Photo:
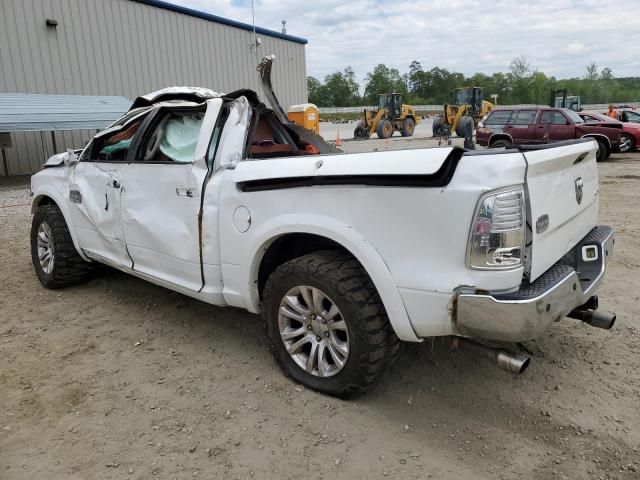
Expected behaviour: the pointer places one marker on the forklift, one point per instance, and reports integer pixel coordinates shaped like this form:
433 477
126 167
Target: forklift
391 116
467 106
560 98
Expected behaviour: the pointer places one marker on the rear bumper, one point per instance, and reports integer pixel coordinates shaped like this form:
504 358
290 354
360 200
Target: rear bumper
528 313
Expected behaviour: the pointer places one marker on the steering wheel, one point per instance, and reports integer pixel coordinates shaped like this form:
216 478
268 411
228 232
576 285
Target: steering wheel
154 144
156 138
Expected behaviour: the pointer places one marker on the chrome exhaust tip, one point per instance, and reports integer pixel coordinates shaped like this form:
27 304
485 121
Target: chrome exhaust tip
595 318
512 362
504 359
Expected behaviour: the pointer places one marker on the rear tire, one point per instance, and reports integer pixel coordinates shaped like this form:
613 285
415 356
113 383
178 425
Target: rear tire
385 129
340 282
408 127
55 258
438 127
360 132
603 151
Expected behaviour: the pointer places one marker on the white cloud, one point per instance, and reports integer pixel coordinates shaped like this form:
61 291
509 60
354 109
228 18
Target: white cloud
559 37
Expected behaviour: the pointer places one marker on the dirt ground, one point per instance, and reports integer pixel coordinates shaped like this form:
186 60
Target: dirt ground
118 378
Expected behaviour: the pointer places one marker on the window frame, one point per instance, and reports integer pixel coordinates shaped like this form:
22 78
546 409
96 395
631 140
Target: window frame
148 127
554 112
212 148
488 123
116 128
518 112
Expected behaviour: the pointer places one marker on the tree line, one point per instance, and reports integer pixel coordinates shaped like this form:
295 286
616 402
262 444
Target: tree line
521 84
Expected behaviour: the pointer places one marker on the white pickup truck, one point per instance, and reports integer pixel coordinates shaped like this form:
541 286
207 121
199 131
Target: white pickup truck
220 198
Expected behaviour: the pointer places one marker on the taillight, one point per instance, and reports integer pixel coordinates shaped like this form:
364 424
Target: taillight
496 240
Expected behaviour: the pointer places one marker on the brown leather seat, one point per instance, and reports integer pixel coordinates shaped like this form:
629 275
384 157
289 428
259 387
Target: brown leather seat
264 143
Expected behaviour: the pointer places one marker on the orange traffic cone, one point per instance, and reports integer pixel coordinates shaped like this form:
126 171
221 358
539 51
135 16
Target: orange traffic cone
338 141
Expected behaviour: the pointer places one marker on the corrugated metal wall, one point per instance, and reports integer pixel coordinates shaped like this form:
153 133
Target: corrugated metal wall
121 47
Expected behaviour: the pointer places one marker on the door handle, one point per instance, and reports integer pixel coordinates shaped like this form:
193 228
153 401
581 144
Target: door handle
186 192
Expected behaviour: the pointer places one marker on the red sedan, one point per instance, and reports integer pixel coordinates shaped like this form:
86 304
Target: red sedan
630 136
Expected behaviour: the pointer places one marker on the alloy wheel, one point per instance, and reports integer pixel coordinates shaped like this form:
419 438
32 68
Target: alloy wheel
625 144
313 331
45 247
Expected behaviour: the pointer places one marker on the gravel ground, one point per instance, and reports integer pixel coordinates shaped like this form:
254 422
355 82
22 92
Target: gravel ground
118 378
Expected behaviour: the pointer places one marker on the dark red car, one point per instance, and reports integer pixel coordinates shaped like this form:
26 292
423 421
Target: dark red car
630 136
526 126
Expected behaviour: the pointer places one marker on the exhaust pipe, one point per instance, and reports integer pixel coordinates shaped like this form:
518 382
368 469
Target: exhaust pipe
509 361
594 318
588 314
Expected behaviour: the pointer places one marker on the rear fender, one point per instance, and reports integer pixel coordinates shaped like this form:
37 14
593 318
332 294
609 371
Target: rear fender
345 236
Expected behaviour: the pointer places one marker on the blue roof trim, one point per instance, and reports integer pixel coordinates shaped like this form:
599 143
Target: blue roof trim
217 19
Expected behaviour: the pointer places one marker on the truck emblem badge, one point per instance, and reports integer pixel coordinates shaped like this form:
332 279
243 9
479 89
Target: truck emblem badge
542 223
579 184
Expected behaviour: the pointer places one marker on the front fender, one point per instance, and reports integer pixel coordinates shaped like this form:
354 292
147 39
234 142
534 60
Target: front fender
342 234
48 191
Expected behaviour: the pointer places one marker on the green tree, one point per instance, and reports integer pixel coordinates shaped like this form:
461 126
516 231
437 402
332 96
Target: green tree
382 80
592 71
520 84
342 88
313 90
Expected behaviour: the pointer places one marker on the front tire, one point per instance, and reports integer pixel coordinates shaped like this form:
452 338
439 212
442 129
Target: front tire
55 258
385 129
627 143
462 124
438 126
326 325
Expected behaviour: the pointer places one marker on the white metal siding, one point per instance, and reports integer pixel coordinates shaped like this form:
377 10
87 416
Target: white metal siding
121 47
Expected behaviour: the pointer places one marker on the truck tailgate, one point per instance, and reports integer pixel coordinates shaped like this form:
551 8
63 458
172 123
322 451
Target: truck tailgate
562 183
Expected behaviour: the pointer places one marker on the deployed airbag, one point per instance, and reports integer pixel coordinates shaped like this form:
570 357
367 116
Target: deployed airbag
181 137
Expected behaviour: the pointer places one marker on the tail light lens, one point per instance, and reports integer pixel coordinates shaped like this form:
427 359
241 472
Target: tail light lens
496 241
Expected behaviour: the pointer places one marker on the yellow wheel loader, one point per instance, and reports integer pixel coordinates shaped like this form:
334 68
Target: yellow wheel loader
391 116
467 106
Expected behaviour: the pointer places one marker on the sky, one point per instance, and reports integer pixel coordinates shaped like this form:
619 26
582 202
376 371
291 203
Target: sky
558 37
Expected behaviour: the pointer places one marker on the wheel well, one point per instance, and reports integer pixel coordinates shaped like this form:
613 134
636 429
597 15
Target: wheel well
597 136
498 136
42 200
290 246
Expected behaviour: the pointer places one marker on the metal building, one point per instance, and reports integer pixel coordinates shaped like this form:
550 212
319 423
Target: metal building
128 48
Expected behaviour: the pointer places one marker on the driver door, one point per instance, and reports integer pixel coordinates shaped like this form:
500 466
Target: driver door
163 186
553 126
96 193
